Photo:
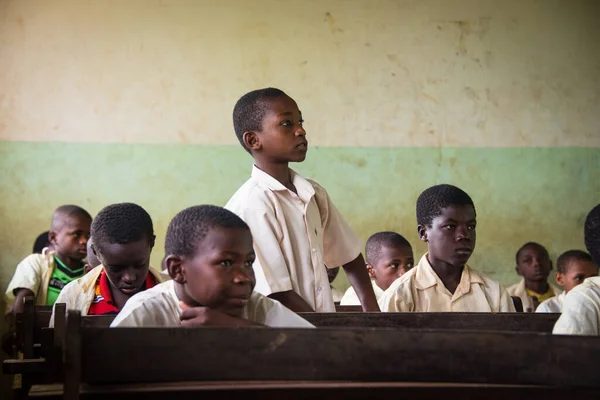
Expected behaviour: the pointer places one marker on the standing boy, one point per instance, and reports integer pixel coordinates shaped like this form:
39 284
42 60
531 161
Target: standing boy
296 227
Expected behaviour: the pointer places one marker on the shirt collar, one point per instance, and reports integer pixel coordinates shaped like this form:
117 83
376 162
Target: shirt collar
303 186
425 277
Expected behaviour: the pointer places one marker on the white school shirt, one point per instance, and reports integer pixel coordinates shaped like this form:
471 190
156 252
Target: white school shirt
519 290
351 298
294 236
551 305
159 306
581 310
421 290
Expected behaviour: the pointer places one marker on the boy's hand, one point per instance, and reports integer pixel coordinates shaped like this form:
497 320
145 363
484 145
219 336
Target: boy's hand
204 316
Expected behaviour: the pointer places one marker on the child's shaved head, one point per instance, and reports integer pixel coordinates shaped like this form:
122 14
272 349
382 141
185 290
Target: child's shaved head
63 213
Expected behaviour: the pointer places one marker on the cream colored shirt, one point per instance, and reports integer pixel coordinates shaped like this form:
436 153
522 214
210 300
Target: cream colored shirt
337 295
518 290
159 306
581 310
552 305
421 290
33 273
79 294
294 236
351 298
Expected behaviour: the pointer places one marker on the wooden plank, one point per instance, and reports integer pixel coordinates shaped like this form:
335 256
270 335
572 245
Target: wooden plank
97 321
29 366
275 390
516 322
348 309
134 355
72 355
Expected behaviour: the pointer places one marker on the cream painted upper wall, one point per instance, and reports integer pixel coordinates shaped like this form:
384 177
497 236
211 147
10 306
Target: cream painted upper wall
364 72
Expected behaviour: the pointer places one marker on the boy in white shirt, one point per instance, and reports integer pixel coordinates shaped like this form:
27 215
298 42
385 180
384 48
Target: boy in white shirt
442 281
209 256
389 256
581 307
296 227
572 268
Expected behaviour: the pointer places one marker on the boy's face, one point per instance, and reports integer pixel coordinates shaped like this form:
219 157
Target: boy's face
220 274
70 237
391 265
451 236
577 271
282 138
534 264
126 265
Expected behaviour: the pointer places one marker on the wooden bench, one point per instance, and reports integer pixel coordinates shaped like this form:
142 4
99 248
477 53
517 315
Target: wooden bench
515 322
216 363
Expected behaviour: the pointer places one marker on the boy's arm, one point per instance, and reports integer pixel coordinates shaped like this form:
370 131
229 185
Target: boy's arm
359 279
204 316
21 293
293 301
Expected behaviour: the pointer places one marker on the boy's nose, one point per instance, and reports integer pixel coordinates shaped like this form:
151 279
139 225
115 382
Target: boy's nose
241 276
300 131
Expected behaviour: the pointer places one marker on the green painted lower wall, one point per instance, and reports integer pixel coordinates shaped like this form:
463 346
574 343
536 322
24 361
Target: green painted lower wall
521 194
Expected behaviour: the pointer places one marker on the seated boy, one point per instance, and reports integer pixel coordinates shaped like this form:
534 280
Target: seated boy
534 265
581 306
572 268
209 257
91 259
295 225
43 276
389 256
123 237
442 281
331 275
42 243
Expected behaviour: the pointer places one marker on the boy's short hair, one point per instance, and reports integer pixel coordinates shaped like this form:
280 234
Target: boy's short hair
190 226
431 202
591 233
530 244
562 264
381 239
41 242
121 223
250 110
67 210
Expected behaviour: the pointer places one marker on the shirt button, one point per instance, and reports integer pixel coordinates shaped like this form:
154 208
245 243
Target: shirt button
319 288
314 250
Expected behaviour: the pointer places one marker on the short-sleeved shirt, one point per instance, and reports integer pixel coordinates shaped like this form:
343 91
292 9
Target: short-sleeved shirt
61 276
421 290
520 290
581 310
351 298
103 301
294 236
552 305
79 294
159 306
32 273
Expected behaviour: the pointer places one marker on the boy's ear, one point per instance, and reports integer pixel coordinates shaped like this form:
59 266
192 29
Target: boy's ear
422 231
152 241
52 237
174 265
251 140
558 277
371 271
87 268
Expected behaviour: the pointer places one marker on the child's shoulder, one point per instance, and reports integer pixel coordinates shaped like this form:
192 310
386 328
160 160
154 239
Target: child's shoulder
37 259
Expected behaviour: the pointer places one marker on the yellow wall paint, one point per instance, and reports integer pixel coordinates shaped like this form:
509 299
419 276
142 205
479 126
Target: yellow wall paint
427 73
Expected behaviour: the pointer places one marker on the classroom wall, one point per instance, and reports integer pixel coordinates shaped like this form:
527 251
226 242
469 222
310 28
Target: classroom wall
110 101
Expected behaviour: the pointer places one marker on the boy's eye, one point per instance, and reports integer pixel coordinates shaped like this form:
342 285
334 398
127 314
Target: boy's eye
394 265
286 123
249 263
579 278
449 227
301 122
471 227
226 263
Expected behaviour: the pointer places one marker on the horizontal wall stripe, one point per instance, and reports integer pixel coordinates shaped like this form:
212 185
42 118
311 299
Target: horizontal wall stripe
520 194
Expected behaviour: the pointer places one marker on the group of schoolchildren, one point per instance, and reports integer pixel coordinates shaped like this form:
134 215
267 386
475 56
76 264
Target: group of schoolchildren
274 248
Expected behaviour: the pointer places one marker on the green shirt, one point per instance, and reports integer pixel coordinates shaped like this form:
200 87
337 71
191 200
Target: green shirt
61 275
